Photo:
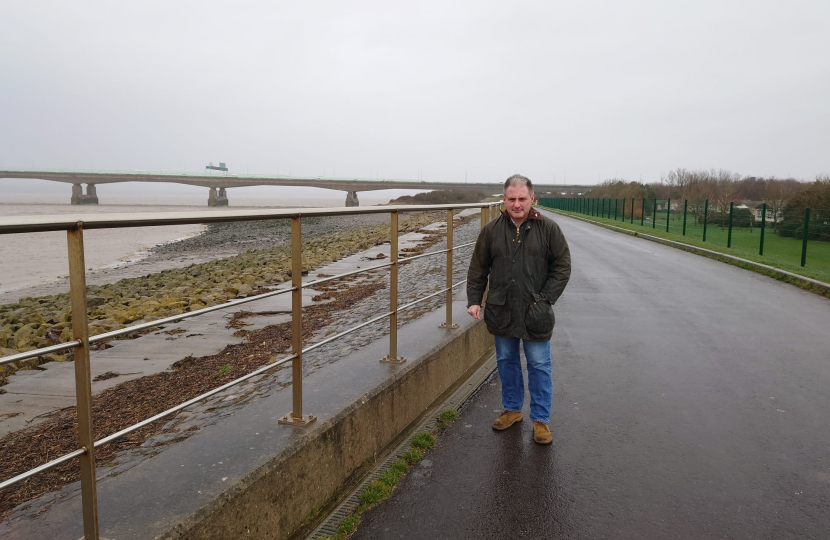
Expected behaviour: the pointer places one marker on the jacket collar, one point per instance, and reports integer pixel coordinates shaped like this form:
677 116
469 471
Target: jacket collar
534 214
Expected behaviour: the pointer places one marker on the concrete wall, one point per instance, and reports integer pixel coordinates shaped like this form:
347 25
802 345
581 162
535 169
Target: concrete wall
273 501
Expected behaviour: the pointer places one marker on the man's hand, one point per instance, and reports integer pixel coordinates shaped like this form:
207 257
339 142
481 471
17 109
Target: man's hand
474 311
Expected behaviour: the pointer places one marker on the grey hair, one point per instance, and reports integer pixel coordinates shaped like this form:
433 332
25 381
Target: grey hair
519 181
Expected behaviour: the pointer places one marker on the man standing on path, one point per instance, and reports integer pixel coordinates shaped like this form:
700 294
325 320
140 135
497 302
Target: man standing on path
528 264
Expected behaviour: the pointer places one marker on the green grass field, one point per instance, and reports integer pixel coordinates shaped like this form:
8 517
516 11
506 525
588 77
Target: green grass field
783 253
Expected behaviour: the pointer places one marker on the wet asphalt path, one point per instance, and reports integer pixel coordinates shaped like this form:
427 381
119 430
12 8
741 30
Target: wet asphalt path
691 400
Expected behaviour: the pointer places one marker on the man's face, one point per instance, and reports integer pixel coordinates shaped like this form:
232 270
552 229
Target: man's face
518 201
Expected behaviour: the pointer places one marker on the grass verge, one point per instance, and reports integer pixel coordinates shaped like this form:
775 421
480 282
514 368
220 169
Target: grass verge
779 252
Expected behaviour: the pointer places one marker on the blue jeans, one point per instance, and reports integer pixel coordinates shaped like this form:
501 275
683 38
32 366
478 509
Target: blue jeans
539 377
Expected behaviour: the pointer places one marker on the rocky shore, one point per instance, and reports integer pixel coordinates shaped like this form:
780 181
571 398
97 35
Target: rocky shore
351 302
254 255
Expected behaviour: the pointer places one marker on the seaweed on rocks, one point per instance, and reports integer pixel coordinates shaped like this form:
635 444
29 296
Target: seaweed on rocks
135 400
38 322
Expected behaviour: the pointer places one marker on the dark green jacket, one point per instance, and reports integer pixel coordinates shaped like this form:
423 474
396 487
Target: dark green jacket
528 269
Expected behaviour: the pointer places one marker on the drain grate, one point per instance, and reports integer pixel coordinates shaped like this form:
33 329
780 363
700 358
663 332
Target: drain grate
329 526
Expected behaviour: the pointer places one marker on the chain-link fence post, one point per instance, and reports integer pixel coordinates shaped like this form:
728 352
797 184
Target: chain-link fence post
705 217
763 226
804 242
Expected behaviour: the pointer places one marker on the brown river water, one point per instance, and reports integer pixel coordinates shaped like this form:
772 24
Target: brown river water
34 264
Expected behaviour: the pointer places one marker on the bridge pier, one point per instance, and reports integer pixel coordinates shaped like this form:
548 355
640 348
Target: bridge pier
78 196
220 199
351 199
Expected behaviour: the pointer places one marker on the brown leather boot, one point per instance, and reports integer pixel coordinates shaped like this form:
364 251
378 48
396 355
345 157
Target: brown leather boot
541 433
507 419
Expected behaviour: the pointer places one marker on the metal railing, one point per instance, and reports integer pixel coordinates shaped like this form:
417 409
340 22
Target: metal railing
74 225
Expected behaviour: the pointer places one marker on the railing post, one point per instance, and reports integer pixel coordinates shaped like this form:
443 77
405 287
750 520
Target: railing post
296 416
729 234
632 211
668 213
448 323
393 294
804 242
623 209
705 217
643 213
483 223
83 380
763 223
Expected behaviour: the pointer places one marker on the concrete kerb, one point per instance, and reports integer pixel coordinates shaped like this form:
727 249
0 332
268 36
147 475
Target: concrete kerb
308 474
803 282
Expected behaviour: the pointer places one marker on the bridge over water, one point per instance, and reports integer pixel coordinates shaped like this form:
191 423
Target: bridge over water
218 184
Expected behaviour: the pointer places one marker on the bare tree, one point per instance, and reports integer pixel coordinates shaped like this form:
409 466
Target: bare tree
726 193
701 186
677 181
776 195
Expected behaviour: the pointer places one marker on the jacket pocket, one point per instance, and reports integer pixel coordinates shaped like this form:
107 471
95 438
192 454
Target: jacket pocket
497 312
539 320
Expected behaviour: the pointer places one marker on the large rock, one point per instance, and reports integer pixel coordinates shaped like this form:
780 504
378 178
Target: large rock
26 331
245 290
95 301
6 337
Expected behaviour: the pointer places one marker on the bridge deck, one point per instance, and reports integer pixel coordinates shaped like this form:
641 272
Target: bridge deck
227 180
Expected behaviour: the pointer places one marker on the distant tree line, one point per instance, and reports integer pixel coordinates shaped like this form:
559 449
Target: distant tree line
448 196
786 198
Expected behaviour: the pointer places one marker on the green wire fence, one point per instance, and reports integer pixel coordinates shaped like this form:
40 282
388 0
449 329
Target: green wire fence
796 239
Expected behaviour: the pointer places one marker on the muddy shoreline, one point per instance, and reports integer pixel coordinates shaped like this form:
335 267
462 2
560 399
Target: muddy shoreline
228 261
140 398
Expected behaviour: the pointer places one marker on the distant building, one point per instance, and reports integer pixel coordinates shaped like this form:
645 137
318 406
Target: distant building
770 218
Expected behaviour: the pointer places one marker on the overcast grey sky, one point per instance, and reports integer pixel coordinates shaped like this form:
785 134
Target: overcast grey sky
579 90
